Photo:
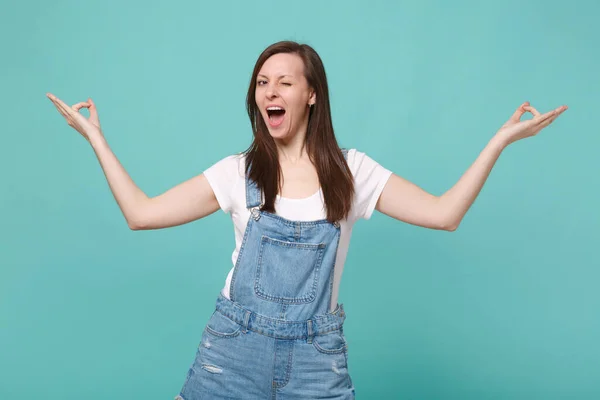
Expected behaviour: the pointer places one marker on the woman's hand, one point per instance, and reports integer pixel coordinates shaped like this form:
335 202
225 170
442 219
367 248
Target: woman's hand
89 128
515 129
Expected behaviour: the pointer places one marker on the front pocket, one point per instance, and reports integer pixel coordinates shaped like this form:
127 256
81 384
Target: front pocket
288 272
330 343
221 326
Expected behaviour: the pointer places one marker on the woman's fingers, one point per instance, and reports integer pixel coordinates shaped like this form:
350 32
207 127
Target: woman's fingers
93 111
516 117
80 105
543 120
532 110
61 107
551 115
544 117
70 113
58 102
61 110
64 108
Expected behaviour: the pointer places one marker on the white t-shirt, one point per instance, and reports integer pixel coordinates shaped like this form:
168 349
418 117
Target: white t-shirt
227 179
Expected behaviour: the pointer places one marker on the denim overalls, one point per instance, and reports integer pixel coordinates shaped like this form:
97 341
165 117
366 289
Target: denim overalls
275 338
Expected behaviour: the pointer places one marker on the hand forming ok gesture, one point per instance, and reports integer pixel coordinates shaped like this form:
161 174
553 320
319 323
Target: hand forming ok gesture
89 128
514 129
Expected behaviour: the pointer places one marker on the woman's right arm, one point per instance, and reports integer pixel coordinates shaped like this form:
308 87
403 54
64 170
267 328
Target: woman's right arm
188 201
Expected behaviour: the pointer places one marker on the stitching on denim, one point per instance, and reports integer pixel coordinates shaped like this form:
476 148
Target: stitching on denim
337 246
319 332
239 257
350 383
283 243
288 368
328 317
328 351
223 335
292 223
260 292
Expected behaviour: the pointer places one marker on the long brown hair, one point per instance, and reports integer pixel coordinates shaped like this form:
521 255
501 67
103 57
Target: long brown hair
262 162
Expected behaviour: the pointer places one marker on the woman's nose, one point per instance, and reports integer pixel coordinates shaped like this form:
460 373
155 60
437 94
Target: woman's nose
271 91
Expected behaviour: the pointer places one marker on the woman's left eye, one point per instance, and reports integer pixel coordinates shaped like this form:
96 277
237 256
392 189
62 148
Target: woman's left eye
287 84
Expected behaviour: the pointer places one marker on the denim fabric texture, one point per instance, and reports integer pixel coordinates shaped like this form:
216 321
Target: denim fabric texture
275 338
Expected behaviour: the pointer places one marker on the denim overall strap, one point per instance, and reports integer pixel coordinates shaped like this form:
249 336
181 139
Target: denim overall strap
253 194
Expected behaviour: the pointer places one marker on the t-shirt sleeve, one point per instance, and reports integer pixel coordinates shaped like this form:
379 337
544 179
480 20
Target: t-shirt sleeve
369 180
222 177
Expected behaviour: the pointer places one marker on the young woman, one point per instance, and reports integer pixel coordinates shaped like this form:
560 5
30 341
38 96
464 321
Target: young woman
293 196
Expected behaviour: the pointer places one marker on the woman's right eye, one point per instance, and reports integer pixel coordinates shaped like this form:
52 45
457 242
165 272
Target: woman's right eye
260 82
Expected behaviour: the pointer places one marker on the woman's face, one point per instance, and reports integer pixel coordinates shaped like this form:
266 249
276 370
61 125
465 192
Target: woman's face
283 95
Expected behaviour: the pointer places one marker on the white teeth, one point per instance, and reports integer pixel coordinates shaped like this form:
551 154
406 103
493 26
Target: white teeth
274 108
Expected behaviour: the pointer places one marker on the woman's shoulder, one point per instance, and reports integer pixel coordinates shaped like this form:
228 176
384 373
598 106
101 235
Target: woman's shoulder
233 164
364 168
353 153
358 160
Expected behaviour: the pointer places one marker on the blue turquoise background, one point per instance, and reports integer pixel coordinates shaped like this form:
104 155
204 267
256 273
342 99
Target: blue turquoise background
506 307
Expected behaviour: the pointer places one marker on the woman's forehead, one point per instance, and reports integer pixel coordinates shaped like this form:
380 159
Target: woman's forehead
282 64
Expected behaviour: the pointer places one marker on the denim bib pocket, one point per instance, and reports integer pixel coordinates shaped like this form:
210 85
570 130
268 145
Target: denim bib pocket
288 272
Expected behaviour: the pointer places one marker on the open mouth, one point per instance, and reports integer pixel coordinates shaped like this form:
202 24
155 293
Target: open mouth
276 115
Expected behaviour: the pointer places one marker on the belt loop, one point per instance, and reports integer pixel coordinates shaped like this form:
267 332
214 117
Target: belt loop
246 319
310 331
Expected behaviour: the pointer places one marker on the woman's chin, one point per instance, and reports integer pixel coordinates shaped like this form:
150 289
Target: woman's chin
280 138
279 133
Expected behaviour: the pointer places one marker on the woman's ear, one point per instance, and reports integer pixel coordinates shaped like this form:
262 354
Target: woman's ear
312 99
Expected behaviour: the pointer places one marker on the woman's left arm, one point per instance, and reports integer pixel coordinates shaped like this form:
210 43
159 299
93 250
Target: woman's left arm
405 201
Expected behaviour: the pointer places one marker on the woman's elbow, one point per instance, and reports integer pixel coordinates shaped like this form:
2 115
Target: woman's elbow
137 223
449 225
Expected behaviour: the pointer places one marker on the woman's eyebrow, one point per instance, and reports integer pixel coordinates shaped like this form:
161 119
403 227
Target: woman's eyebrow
280 76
